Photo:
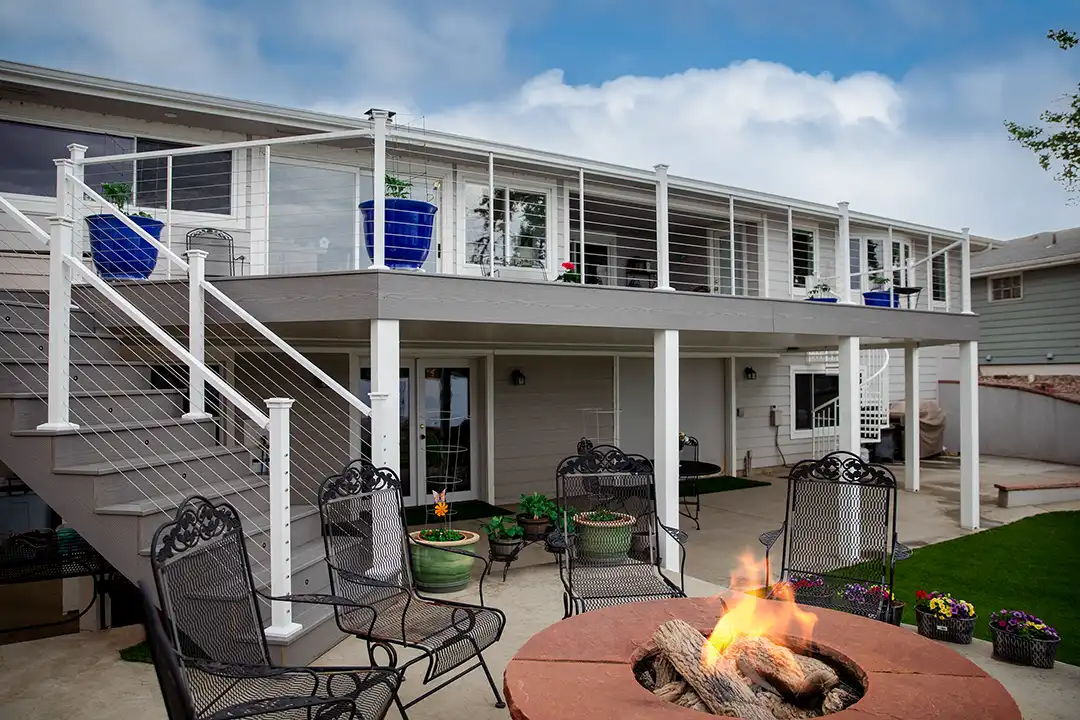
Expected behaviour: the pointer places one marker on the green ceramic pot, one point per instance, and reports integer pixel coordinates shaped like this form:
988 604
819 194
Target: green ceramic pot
436 571
603 543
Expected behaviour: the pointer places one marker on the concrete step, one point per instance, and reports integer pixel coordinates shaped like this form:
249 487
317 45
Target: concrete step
122 481
84 346
22 374
98 407
34 317
126 441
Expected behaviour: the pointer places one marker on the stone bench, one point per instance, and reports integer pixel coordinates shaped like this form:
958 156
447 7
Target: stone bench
1038 493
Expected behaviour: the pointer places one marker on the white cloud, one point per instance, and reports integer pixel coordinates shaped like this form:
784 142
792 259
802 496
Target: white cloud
930 148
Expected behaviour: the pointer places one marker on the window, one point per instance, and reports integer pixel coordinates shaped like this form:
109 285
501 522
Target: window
812 389
201 183
1006 287
520 235
803 257
939 278
868 260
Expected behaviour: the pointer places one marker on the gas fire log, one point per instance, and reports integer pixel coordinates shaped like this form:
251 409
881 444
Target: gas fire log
797 678
718 684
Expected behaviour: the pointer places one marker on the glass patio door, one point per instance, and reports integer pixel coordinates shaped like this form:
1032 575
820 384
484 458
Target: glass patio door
405 405
443 429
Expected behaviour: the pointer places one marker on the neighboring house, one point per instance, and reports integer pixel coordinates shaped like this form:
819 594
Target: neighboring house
1027 295
693 313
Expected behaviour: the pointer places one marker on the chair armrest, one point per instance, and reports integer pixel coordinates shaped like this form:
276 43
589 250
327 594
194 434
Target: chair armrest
768 539
900 551
680 535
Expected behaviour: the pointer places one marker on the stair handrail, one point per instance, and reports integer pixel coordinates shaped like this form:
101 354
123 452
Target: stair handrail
816 430
228 302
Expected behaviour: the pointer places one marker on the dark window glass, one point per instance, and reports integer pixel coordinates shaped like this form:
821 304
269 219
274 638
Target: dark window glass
811 392
201 183
26 161
802 261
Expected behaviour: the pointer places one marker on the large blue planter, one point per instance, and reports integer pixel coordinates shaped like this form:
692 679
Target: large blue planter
409 226
823 299
880 298
118 251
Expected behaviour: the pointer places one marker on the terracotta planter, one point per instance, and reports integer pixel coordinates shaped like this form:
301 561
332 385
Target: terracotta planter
604 542
535 528
437 571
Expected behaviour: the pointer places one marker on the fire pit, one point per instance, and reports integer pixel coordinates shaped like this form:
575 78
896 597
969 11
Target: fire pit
768 659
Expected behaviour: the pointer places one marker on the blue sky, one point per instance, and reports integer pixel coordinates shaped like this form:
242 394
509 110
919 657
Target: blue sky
894 105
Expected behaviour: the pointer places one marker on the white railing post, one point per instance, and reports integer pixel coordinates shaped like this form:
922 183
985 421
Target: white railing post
196 334
663 256
61 229
281 621
965 273
580 267
77 154
843 254
378 182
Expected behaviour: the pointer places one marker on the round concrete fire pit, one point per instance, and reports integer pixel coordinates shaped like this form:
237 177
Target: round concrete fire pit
582 667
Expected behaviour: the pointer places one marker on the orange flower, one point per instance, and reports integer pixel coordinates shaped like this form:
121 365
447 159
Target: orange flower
441 509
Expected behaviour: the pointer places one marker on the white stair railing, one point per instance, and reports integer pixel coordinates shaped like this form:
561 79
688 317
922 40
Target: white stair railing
873 404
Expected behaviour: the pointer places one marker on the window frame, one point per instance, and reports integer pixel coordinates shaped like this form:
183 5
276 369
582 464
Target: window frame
1002 276
815 260
934 302
550 219
47 203
795 370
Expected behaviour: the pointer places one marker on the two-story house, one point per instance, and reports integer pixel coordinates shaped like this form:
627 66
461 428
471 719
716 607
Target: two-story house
769 328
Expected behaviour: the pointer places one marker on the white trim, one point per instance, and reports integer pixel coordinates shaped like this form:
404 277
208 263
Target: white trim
806 369
611 242
417 469
1020 265
550 192
1001 276
616 401
934 303
489 429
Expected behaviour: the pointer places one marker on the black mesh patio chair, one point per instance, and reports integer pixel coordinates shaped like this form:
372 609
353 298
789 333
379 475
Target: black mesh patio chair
367 549
689 495
839 536
215 664
608 531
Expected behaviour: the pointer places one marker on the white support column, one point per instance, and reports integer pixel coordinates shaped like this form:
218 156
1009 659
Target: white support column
731 436
843 255
663 252
61 228
666 439
281 626
850 410
378 182
489 427
385 394
969 435
196 334
965 273
912 449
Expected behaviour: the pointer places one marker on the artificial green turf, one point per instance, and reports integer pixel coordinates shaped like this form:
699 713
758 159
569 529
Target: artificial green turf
136 653
1028 565
723 483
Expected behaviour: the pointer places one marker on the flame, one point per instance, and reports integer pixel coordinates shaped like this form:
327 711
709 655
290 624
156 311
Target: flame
749 615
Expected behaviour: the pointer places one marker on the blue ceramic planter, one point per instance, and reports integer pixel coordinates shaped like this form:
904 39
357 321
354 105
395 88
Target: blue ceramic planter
823 299
409 226
879 298
118 251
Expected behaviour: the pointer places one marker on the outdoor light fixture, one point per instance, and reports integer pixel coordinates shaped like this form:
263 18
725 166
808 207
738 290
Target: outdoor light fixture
517 378
749 374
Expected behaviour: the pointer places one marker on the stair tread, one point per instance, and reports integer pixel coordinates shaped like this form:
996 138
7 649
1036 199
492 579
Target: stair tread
171 501
109 467
113 427
303 557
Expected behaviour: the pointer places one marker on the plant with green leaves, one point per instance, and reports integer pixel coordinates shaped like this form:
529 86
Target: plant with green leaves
501 527
119 194
537 506
820 289
396 187
1056 142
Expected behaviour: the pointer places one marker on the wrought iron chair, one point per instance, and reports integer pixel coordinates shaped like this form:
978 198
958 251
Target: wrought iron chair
839 535
216 664
608 531
689 496
367 549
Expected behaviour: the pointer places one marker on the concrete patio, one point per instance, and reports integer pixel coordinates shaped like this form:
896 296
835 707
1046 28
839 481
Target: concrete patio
81 676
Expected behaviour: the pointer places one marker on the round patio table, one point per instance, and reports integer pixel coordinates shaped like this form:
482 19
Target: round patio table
690 472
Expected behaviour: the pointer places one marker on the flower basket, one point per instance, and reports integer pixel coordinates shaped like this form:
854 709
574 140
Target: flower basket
947 629
1035 652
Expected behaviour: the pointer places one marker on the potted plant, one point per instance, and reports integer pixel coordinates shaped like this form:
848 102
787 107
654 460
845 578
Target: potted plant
504 539
568 274
434 569
940 616
118 252
562 523
880 296
809 589
603 537
821 292
409 226
870 597
1023 638
536 513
